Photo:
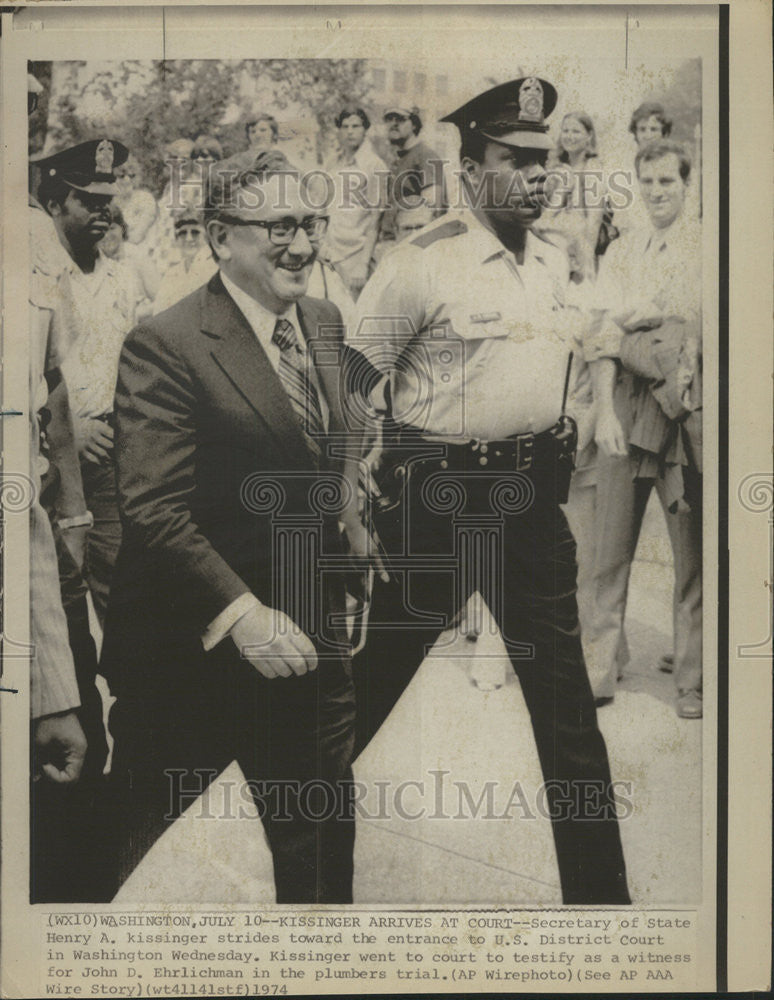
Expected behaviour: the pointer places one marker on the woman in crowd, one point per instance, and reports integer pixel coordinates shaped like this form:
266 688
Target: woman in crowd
138 206
262 132
578 201
578 223
178 195
191 263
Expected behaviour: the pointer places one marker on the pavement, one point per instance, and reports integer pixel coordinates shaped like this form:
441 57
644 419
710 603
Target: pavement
451 838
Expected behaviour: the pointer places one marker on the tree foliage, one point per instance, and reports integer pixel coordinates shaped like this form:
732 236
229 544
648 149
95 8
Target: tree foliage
682 101
148 104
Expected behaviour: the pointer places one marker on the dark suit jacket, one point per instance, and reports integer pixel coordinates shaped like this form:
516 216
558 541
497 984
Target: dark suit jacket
209 455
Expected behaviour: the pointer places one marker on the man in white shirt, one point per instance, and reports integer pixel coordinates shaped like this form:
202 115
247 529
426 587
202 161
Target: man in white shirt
218 643
644 345
359 179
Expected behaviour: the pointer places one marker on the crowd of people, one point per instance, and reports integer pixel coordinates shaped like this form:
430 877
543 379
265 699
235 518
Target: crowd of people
176 348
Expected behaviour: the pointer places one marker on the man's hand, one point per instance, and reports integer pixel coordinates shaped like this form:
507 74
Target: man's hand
273 643
363 545
59 748
609 435
93 438
75 540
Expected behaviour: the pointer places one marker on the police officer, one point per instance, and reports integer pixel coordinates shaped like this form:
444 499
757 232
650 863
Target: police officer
465 321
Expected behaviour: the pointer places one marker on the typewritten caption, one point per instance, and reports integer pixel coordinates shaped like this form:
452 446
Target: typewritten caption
272 954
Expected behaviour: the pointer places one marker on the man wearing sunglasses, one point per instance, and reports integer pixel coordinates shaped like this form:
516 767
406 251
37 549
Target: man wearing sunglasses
218 643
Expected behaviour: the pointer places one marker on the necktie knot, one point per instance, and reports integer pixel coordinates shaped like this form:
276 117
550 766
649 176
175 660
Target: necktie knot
284 335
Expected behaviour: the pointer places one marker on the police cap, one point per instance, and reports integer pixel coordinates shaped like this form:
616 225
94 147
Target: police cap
512 113
88 166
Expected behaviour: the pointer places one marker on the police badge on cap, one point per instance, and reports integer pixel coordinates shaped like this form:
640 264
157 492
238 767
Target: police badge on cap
512 113
89 166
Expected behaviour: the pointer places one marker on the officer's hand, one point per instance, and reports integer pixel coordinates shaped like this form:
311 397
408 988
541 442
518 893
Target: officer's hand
59 748
609 435
273 643
93 438
364 545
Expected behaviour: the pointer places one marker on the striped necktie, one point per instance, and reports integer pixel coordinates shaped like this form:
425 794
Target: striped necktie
297 383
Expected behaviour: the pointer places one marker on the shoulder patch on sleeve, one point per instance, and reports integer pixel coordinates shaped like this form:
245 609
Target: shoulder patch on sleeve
452 227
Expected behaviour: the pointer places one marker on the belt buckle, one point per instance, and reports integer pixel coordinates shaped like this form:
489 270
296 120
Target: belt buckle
525 444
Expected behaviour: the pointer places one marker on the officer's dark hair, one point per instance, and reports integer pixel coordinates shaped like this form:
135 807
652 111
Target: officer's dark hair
53 189
416 122
342 116
651 109
263 116
473 146
663 147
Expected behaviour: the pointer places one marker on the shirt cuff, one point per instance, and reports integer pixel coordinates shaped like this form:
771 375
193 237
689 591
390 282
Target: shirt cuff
220 627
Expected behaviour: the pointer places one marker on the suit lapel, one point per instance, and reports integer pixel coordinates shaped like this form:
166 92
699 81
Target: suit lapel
237 351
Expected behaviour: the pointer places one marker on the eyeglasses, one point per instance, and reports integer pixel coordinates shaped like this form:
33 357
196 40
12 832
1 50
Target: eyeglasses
188 232
282 232
394 117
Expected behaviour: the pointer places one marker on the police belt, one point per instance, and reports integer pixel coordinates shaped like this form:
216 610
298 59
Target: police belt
518 453
547 457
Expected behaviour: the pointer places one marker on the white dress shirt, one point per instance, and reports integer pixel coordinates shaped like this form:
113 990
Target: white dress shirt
659 266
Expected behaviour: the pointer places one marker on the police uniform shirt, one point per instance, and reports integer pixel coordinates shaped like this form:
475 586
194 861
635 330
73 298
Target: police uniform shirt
95 312
476 345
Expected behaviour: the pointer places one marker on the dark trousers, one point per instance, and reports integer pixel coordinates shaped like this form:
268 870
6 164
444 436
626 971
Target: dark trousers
506 537
71 855
292 738
104 538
